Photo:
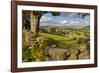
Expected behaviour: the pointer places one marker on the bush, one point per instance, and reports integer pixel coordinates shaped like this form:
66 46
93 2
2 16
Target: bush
38 48
26 55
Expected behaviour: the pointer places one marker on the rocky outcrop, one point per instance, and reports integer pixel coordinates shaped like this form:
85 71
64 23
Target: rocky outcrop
84 52
73 54
84 55
82 48
57 53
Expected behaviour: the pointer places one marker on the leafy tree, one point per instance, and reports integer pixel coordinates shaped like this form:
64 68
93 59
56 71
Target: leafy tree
35 17
83 14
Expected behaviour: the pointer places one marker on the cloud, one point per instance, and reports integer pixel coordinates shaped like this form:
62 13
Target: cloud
69 14
63 22
69 18
45 18
73 15
86 22
73 22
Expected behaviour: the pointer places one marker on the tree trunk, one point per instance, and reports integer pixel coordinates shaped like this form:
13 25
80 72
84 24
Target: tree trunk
34 22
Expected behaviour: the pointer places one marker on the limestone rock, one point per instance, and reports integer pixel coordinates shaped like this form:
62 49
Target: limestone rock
57 53
84 55
74 51
82 48
47 50
73 54
72 57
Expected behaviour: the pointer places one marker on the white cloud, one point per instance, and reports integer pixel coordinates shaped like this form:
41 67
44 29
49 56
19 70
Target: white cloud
73 22
86 22
69 14
73 14
63 22
45 18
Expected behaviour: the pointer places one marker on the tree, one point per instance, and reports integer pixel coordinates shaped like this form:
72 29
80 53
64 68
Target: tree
83 14
35 17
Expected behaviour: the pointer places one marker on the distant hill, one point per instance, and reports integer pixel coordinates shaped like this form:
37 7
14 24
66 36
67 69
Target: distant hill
55 24
66 25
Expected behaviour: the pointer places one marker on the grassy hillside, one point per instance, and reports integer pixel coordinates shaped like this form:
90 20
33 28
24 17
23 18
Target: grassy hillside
58 38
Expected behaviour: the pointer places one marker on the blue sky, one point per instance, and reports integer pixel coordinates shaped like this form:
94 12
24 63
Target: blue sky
65 18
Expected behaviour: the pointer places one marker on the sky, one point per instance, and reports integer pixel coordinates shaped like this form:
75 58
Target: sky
65 19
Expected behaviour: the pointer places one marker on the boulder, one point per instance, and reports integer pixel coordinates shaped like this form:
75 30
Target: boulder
73 54
57 53
84 55
47 50
82 48
72 57
74 51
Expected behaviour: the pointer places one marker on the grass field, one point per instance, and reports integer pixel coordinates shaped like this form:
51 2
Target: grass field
58 38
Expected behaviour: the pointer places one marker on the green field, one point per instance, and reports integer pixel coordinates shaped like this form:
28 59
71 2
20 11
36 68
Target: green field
67 41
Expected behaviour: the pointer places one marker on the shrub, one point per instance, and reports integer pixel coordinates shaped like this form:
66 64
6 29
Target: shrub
38 48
